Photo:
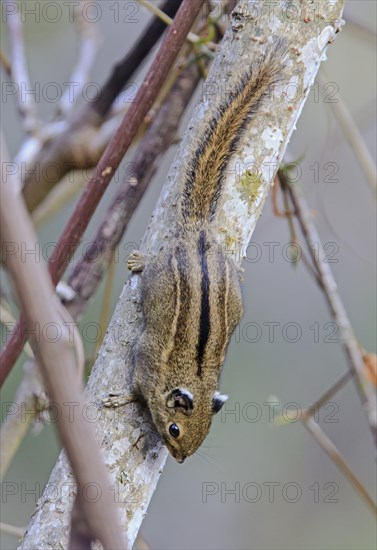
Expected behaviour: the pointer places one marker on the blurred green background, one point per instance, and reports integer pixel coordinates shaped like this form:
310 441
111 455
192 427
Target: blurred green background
312 506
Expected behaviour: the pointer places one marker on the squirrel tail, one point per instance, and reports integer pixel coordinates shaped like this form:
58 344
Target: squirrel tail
206 170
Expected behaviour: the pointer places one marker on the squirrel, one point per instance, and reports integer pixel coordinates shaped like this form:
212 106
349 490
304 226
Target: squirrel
191 295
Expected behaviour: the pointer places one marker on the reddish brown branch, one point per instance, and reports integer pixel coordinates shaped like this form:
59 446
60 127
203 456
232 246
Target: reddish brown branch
108 164
123 70
71 150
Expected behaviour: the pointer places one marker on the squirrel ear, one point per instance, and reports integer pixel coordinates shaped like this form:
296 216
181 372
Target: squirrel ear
180 398
218 401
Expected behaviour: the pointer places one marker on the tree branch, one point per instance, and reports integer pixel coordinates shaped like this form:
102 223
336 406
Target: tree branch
88 46
72 146
129 440
353 135
19 72
123 70
56 361
328 446
20 414
324 441
328 284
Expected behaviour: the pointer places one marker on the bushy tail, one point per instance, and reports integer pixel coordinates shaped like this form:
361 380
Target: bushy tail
206 170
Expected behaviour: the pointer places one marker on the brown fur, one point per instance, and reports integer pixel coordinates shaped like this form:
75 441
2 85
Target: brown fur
190 290
166 356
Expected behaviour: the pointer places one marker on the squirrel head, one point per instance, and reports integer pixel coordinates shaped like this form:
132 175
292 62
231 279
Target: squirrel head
183 418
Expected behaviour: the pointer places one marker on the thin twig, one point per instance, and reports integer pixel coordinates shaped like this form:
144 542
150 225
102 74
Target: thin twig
191 37
141 543
328 446
350 343
313 409
354 136
328 394
306 417
88 46
64 192
75 180
26 102
5 63
329 288
21 412
289 215
109 163
361 27
7 319
12 530
124 69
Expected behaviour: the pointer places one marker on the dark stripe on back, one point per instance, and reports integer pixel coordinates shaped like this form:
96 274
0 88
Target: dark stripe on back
204 310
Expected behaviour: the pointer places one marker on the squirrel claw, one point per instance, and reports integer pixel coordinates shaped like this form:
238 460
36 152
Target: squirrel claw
136 261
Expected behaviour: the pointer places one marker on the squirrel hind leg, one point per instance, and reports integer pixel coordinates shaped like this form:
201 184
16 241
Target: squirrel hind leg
136 261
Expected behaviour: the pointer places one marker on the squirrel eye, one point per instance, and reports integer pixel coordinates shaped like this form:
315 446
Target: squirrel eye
174 430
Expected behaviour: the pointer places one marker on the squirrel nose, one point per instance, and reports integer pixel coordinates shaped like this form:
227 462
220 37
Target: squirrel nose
178 457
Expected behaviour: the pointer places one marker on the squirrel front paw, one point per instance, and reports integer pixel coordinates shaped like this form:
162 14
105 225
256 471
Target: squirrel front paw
118 399
136 261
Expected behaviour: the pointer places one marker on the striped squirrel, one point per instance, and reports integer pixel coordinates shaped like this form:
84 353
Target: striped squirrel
191 296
